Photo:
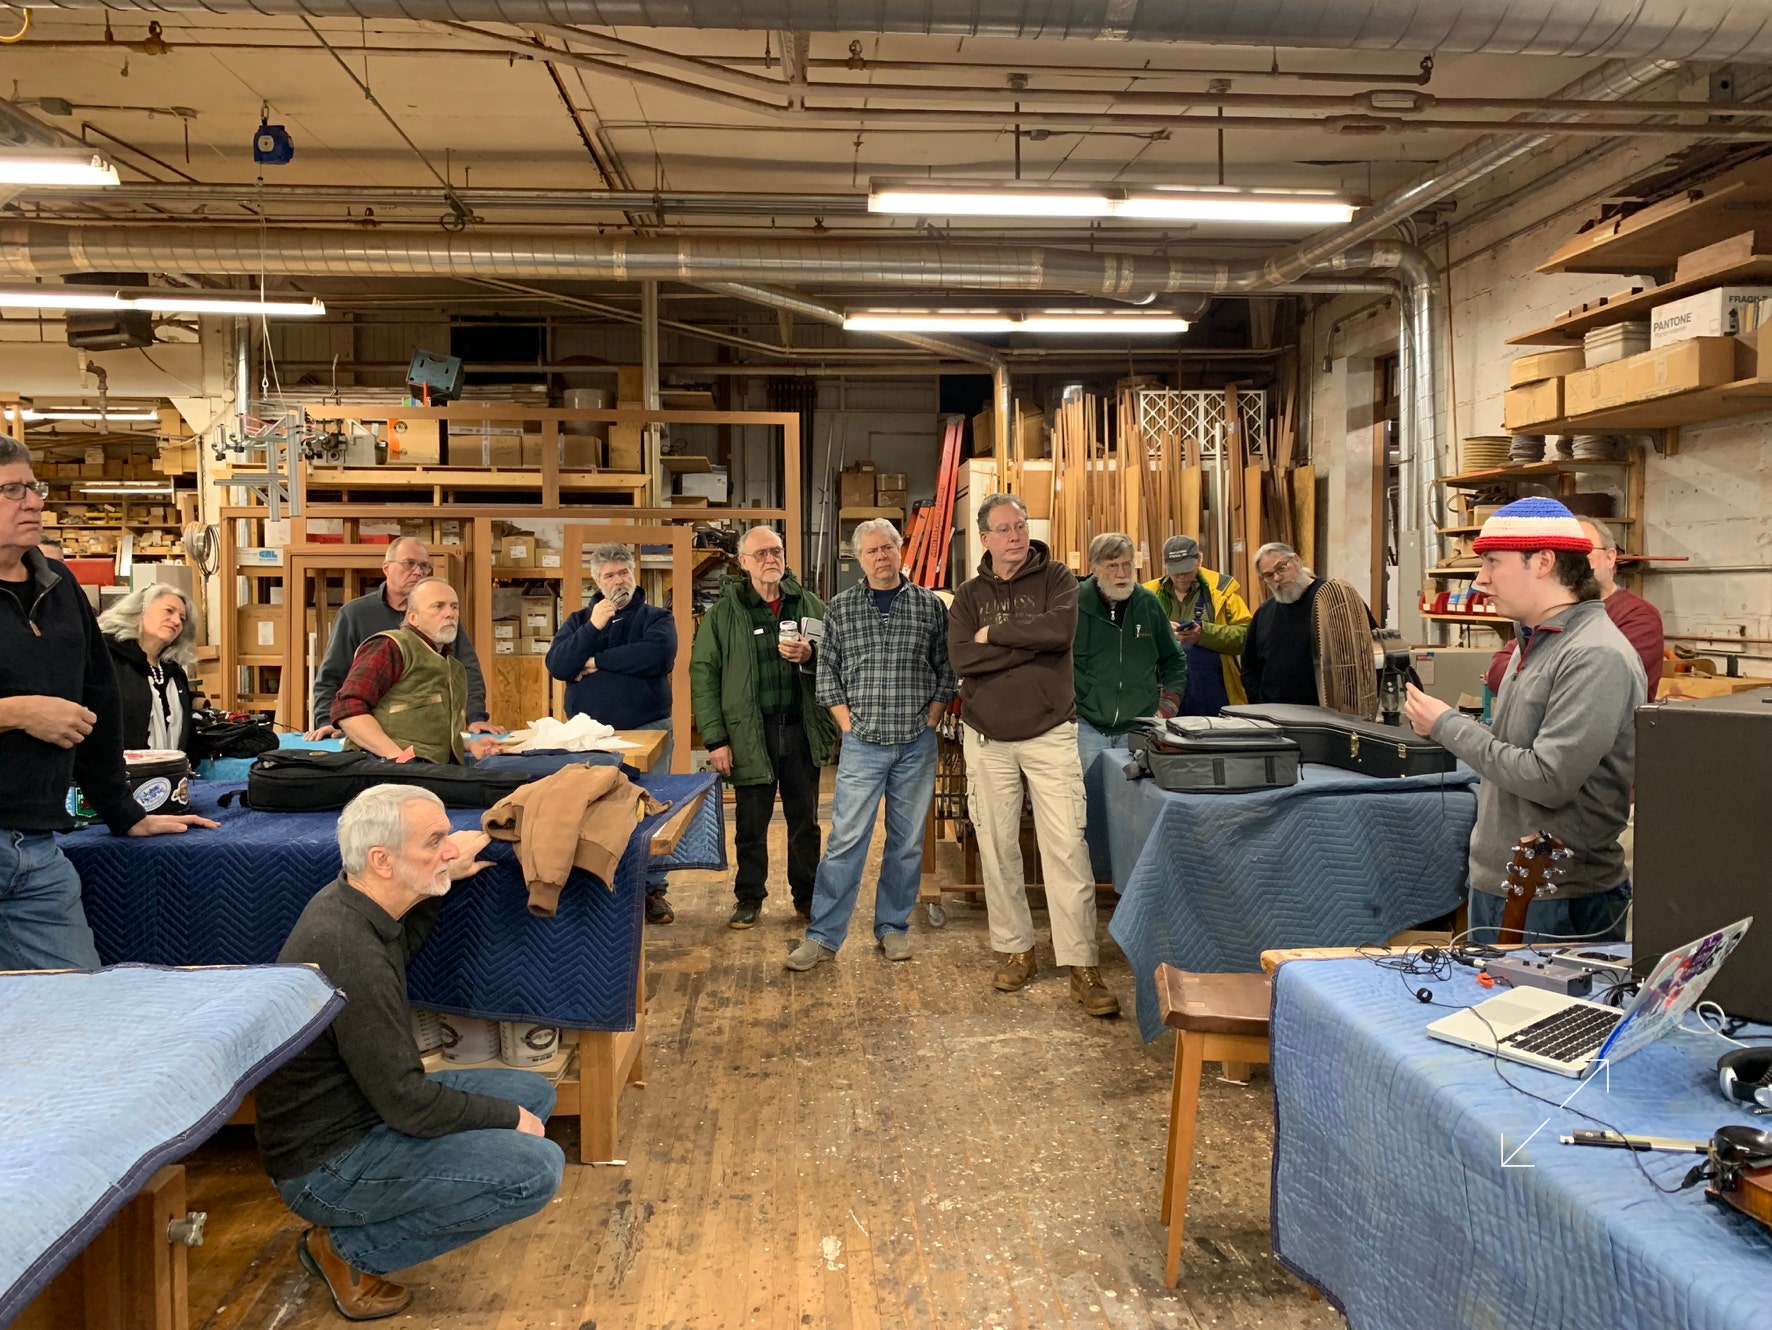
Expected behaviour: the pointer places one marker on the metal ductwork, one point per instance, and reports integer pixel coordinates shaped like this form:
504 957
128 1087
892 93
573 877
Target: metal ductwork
1711 30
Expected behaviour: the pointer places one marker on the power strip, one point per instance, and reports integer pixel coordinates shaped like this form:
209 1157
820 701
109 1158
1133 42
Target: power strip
1571 978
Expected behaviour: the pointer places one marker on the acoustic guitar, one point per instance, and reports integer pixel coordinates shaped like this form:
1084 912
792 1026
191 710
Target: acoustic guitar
1532 872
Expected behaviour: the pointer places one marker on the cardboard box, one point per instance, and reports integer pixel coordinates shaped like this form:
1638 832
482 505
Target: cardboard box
1033 431
709 485
1532 404
580 452
504 646
1702 362
549 558
625 448
1542 365
855 488
259 630
248 556
1597 389
1722 311
539 616
537 646
95 454
516 552
506 630
414 442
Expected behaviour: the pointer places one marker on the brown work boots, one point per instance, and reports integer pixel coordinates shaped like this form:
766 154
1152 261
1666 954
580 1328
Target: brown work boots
358 1296
1019 967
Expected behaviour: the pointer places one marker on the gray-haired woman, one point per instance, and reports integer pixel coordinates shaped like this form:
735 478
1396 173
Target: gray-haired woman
150 633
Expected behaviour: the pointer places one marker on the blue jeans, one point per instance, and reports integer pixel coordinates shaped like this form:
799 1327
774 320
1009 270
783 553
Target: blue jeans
1591 918
1091 743
42 926
655 877
904 774
393 1200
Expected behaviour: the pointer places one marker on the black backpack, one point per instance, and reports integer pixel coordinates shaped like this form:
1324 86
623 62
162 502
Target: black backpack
299 780
230 734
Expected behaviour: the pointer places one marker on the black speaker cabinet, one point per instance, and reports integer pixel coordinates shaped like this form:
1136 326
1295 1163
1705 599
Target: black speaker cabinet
1704 837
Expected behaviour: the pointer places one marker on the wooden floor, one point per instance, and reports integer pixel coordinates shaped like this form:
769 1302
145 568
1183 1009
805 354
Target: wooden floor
870 1144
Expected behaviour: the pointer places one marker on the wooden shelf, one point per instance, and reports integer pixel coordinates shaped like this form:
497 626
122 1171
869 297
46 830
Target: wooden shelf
258 659
532 574
686 464
1531 470
1627 305
469 477
1651 240
868 514
1475 620
1743 397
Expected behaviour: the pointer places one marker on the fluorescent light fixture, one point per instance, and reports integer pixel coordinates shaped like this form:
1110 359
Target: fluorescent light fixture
85 413
999 321
55 168
158 300
1209 203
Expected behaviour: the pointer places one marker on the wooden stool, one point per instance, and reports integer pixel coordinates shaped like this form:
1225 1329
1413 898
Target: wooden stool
1217 1018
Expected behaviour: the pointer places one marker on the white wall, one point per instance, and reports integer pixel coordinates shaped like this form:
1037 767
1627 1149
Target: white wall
1711 501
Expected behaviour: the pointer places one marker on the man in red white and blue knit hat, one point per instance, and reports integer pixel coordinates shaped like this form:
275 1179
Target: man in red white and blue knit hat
1560 753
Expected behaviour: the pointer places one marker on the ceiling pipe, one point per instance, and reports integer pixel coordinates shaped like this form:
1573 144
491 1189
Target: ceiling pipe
1707 30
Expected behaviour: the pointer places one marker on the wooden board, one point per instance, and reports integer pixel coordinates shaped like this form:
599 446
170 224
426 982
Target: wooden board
1652 239
1304 514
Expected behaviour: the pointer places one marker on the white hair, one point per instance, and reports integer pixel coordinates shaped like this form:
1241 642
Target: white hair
123 621
601 556
1109 545
377 817
875 526
744 541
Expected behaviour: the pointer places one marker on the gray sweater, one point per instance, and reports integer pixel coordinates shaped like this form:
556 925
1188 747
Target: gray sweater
357 622
1560 754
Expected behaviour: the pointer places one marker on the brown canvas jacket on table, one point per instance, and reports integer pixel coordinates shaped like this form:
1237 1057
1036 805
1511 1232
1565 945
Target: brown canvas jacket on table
579 817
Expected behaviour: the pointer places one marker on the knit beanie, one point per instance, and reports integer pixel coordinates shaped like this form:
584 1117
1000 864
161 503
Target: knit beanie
1533 524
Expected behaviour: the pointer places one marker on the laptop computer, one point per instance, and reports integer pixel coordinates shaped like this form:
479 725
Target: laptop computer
1570 1036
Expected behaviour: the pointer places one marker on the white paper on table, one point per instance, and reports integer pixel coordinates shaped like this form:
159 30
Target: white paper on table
581 734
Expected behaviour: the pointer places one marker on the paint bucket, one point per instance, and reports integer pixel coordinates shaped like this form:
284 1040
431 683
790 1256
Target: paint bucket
427 1030
468 1039
521 1044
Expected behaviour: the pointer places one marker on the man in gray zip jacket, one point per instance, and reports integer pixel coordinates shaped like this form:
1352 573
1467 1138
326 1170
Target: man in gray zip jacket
1560 755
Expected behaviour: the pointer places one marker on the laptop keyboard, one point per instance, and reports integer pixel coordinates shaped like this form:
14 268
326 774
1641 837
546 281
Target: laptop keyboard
1573 1034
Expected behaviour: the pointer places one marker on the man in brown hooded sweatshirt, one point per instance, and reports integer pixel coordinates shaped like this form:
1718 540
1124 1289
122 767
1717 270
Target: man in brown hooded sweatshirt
1009 639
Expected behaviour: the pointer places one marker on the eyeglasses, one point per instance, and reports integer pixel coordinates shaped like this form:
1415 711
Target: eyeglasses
772 555
15 490
411 565
1018 529
1273 574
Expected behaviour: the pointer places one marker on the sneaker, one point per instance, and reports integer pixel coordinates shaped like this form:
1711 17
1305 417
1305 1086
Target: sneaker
744 915
1086 987
896 945
808 954
1013 975
658 909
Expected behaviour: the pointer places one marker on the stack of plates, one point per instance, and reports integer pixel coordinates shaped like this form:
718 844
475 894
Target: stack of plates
1563 449
1594 447
1526 448
1484 453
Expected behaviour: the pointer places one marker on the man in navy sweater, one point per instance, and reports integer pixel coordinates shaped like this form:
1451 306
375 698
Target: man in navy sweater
60 722
615 657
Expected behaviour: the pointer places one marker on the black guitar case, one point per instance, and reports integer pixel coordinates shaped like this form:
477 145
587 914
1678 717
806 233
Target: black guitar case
1335 739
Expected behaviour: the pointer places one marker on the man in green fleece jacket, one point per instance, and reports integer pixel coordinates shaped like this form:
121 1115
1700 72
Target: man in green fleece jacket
1127 665
1560 754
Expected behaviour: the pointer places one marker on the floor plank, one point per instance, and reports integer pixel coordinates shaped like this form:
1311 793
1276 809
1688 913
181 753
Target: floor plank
869 1144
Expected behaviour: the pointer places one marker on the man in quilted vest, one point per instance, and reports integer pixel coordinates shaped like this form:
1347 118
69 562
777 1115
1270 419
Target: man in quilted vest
407 694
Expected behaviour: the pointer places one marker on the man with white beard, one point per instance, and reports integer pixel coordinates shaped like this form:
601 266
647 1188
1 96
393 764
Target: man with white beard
391 1166
1126 659
1279 664
406 695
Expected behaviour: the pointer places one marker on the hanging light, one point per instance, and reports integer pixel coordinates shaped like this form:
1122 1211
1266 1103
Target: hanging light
1134 322
55 168
155 300
1203 203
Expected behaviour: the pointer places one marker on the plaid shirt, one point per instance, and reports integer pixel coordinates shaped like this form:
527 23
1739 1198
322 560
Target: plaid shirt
375 668
885 669
778 680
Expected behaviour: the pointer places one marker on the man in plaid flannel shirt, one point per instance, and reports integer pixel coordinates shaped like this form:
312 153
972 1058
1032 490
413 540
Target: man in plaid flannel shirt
883 671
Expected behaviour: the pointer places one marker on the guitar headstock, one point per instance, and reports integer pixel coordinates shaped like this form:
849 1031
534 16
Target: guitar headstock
1536 866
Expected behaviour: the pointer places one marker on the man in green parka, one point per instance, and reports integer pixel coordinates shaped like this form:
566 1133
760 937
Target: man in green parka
752 679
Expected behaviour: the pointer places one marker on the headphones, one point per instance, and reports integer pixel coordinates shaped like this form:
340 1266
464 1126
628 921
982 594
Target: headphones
1745 1075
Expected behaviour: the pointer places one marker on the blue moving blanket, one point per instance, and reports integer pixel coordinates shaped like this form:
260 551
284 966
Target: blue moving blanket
1391 1198
1210 881
107 1076
230 897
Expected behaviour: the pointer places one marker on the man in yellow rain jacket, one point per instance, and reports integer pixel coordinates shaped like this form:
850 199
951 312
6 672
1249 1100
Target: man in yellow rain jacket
1211 621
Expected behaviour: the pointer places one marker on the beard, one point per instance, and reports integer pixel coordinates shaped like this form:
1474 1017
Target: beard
434 884
1115 593
446 634
1290 593
620 596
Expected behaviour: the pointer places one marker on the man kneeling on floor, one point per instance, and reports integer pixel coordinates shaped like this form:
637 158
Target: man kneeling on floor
391 1166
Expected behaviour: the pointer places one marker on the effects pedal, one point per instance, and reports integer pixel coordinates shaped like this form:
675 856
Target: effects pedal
1570 978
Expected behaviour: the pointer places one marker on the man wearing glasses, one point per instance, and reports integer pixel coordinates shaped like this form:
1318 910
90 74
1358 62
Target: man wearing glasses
406 565
1010 634
1279 661
60 723
753 680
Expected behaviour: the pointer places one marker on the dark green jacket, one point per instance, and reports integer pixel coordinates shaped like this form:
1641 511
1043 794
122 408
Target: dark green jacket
1122 668
723 685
